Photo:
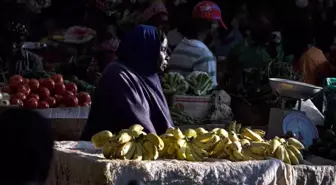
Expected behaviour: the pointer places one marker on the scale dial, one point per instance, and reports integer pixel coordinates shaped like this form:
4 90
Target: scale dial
303 128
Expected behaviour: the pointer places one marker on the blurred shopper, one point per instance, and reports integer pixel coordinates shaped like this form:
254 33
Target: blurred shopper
155 15
27 147
129 90
192 53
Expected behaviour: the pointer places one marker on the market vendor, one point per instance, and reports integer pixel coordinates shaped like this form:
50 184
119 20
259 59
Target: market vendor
192 53
129 90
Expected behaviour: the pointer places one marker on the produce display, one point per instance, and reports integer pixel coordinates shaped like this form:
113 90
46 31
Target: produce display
325 146
234 144
197 83
45 93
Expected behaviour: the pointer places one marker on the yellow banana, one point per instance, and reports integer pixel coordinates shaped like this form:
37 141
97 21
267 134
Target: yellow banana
219 148
296 152
245 142
280 153
171 149
190 133
258 150
238 127
178 134
136 133
180 143
124 137
286 157
138 152
189 155
151 150
199 151
282 140
170 130
205 137
167 138
296 143
200 131
130 151
245 137
260 132
194 154
136 127
156 140
233 136
275 143
293 159
98 140
108 151
254 136
236 146
181 153
238 156
222 133
232 127
247 154
260 144
215 130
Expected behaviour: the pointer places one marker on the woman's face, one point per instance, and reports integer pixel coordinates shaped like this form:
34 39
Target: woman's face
163 60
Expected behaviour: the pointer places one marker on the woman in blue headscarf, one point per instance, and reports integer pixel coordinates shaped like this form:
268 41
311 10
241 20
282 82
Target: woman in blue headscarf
129 91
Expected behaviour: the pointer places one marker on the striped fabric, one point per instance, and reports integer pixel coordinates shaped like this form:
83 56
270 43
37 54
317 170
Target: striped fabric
193 55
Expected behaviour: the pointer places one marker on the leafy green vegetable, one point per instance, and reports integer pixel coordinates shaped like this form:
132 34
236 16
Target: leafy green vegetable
200 83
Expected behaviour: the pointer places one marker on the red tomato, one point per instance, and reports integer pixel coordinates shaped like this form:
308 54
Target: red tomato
28 90
85 104
16 101
57 78
59 99
67 93
43 105
34 84
19 95
71 101
48 83
59 88
26 81
31 103
84 97
6 89
36 96
41 81
44 92
51 101
71 87
15 81
23 89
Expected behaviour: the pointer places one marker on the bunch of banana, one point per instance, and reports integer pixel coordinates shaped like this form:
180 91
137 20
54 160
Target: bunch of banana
286 151
98 140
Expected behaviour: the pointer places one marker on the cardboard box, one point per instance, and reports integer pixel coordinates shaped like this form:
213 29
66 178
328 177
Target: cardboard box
195 106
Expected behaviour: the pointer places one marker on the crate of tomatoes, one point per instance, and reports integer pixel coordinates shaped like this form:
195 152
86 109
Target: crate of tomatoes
54 94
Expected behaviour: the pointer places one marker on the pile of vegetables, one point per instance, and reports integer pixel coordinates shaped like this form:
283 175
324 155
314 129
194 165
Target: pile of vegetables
197 83
45 93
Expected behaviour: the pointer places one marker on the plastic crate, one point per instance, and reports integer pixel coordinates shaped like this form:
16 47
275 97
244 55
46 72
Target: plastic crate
330 102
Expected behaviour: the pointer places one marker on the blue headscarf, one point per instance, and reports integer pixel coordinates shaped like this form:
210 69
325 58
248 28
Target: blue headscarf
129 91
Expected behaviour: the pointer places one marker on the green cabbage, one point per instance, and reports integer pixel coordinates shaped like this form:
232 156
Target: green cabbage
174 83
200 83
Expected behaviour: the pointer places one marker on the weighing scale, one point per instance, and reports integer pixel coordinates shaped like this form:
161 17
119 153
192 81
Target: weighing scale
283 120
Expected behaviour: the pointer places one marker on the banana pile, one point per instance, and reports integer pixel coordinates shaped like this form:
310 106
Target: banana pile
132 143
234 144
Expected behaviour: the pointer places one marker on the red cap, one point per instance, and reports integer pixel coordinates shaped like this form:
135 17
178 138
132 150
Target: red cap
208 10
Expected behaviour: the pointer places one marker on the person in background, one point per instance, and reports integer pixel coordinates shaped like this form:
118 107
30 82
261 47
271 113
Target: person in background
155 15
28 141
129 90
192 53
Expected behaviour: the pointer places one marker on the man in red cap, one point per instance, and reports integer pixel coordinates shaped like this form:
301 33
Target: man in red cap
192 53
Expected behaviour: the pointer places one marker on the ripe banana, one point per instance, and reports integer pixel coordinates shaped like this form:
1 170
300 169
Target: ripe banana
193 153
190 133
167 138
151 150
280 153
282 140
236 146
178 134
124 137
180 143
238 156
170 130
130 151
296 152
260 144
293 159
245 142
98 140
296 143
260 132
233 136
205 137
136 127
138 152
136 133
108 151
189 155
258 150
275 143
199 151
222 133
123 149
171 149
200 131
254 136
181 153
286 157
156 140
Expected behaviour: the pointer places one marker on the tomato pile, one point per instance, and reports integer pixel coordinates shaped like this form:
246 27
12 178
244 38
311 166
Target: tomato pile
45 93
